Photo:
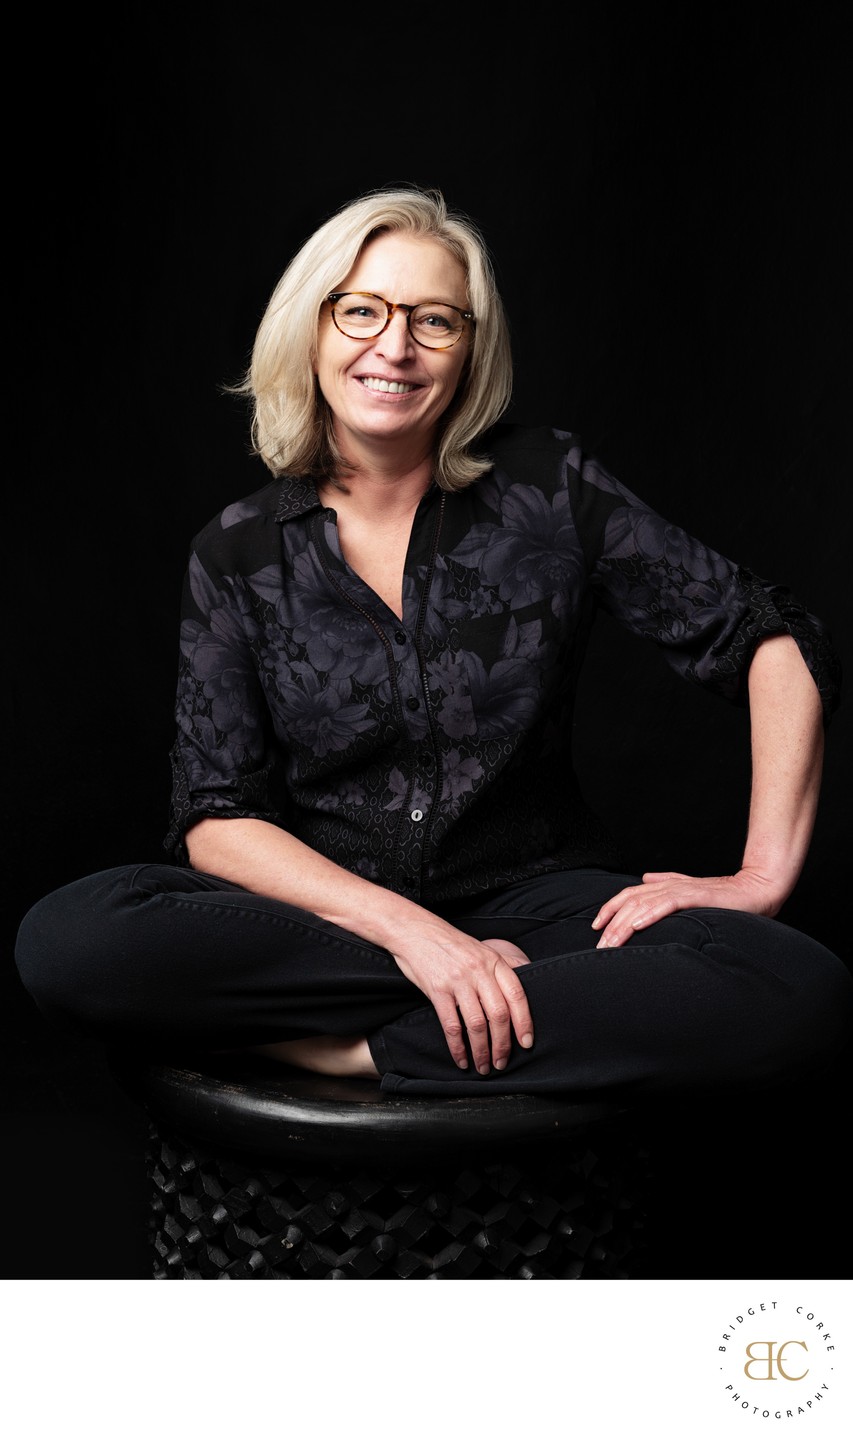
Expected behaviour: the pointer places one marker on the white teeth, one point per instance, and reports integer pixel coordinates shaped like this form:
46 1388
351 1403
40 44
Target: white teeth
387 387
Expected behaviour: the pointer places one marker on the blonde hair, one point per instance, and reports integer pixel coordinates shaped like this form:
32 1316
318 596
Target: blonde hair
291 424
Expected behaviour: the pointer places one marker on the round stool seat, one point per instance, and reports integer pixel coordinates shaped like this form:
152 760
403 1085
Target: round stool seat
277 1113
261 1170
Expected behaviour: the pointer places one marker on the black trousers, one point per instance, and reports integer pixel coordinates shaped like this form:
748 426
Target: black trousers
169 959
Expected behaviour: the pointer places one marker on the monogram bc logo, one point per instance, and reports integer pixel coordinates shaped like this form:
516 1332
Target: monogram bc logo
799 1360
771 1361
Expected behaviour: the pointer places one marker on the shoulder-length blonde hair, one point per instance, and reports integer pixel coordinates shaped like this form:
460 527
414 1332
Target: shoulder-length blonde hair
291 426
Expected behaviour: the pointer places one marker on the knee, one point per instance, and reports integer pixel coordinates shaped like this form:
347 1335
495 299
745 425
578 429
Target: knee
36 956
797 1015
63 949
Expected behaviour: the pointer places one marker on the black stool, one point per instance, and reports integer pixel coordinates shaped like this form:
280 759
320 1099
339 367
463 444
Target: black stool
262 1171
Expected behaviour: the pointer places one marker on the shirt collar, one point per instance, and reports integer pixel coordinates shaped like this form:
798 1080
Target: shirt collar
296 497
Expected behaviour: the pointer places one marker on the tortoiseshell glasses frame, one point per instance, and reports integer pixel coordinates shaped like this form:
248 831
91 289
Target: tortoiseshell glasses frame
448 331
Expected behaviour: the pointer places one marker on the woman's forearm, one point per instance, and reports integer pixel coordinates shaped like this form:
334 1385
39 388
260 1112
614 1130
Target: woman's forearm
266 859
787 762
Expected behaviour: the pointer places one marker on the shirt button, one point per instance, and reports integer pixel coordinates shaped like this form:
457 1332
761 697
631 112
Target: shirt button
400 636
417 815
413 703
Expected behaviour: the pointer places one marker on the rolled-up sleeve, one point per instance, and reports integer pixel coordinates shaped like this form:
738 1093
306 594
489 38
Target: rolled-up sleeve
706 613
223 757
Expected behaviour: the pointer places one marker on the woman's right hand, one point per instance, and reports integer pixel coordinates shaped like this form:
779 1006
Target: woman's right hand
472 987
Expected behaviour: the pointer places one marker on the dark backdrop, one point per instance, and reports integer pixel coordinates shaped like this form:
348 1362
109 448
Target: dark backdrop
667 201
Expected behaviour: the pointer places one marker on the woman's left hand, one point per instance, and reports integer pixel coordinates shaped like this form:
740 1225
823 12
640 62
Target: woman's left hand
661 894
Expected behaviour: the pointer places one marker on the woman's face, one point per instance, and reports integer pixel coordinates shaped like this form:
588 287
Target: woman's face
403 269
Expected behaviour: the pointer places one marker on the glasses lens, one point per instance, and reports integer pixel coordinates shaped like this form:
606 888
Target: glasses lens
436 325
360 315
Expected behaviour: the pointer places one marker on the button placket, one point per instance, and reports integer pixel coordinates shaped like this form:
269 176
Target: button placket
414 835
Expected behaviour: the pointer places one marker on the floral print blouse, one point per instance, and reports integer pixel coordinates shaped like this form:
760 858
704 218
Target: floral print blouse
433 755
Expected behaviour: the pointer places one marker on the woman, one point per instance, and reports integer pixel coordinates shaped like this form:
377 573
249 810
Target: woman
381 862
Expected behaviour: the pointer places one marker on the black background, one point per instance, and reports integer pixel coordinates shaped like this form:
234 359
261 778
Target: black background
666 197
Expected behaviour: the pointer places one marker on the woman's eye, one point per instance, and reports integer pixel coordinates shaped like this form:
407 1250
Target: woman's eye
434 320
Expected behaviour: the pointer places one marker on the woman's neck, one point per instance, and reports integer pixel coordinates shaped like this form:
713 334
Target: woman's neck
386 488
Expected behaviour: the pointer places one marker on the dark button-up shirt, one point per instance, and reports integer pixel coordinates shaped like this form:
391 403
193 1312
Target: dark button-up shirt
433 754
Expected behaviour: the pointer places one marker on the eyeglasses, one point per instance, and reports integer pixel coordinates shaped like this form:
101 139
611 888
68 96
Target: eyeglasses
364 316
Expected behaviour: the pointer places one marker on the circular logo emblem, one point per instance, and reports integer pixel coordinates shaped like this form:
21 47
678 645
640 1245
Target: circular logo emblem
777 1360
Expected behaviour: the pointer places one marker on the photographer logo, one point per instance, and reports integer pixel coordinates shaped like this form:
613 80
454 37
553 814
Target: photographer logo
777 1362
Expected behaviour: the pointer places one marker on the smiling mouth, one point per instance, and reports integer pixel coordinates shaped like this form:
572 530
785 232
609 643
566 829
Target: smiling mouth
387 386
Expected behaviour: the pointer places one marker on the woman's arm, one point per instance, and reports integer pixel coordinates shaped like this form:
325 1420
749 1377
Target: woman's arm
786 720
787 763
471 985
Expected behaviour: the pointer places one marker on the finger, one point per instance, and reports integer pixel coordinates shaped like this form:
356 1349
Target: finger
519 1008
635 917
497 1013
448 1017
618 903
613 905
477 1026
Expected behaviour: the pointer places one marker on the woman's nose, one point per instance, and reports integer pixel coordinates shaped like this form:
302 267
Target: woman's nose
396 341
